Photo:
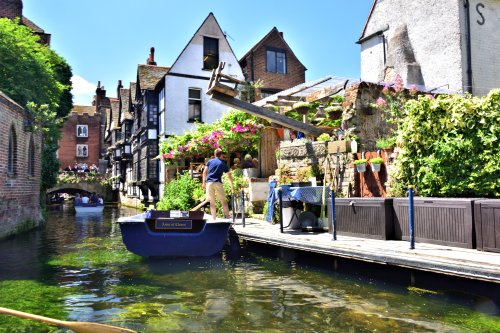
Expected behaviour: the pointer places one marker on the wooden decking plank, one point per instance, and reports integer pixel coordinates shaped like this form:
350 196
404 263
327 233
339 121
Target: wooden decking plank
455 261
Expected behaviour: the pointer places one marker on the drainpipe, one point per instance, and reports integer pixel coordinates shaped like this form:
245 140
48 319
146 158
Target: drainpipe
468 46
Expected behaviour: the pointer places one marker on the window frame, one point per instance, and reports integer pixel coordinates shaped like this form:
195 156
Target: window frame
194 101
210 61
82 146
31 158
85 129
276 51
12 153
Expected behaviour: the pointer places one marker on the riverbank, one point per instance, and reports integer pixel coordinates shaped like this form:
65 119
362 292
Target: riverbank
444 260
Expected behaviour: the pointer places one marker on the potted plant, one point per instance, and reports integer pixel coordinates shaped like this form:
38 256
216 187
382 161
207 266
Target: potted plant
360 165
376 162
386 144
301 107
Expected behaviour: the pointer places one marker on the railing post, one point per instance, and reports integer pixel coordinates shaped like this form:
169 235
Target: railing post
243 208
411 216
334 223
280 198
232 207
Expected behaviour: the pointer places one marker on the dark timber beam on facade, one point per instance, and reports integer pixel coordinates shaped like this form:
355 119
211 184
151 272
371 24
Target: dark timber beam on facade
266 114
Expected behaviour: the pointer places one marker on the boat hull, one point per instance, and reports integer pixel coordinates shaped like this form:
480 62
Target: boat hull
89 209
173 237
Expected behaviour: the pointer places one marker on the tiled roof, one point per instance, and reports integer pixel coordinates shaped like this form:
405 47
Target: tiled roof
133 86
32 25
115 104
82 109
125 112
150 75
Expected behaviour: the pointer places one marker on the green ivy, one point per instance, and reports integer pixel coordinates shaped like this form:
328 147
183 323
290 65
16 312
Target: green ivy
449 146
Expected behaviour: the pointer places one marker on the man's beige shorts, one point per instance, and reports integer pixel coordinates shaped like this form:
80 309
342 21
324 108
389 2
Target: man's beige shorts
215 189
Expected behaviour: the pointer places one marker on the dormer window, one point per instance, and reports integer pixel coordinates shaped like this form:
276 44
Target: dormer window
276 61
210 53
82 131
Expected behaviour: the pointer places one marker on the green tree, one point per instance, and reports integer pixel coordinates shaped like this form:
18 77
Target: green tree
36 77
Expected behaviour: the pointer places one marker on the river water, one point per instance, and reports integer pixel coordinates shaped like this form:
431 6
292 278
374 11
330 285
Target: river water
76 268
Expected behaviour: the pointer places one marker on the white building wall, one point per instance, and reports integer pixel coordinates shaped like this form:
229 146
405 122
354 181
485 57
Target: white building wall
485 40
434 34
190 64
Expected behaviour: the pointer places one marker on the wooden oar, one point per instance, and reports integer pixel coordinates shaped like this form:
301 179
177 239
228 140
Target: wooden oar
76 326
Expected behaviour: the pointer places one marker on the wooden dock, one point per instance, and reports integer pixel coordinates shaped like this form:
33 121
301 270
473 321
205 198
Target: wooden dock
454 261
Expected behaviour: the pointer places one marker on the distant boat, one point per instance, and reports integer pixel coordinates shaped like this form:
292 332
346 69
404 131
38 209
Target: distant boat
173 234
89 208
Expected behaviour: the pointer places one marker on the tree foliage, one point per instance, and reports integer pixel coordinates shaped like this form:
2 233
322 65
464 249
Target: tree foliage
36 77
449 146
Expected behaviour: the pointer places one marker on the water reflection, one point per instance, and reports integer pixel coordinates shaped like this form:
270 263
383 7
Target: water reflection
83 258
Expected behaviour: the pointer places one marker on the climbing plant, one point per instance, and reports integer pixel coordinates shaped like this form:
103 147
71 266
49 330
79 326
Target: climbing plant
448 146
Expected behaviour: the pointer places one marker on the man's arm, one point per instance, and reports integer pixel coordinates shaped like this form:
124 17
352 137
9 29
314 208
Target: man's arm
230 178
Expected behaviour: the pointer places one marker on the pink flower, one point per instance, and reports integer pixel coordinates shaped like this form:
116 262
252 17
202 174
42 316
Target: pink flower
386 88
381 102
429 96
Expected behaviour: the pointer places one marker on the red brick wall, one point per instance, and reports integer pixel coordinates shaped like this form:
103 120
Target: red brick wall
295 71
69 140
11 8
19 193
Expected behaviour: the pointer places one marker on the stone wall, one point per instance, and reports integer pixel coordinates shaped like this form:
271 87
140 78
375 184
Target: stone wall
20 189
333 169
361 119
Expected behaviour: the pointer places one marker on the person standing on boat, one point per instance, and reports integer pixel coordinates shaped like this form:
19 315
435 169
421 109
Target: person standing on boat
212 182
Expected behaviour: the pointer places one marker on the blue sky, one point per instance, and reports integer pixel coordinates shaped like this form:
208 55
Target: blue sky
104 40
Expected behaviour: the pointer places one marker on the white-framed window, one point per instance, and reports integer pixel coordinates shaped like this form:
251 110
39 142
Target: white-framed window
82 131
210 53
82 150
161 102
194 104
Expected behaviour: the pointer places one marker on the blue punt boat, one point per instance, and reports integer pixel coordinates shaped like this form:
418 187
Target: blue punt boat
173 234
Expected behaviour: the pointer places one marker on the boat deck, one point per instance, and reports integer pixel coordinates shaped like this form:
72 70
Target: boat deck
455 261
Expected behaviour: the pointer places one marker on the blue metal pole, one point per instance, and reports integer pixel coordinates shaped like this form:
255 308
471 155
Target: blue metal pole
280 197
334 223
411 215
243 208
232 207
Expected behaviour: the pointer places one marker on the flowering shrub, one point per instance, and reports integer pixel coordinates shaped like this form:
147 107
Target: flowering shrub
236 131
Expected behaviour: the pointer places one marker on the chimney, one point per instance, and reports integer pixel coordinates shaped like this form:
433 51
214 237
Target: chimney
100 94
281 34
151 59
11 9
118 88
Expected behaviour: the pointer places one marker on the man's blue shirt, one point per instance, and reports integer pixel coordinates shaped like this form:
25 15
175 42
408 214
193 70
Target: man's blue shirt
216 168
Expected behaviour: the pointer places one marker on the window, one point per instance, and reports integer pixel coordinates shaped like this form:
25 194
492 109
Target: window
82 131
210 53
162 111
82 151
12 158
194 104
276 61
31 158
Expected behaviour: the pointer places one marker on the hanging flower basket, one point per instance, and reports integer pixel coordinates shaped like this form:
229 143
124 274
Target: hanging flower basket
301 107
376 163
360 165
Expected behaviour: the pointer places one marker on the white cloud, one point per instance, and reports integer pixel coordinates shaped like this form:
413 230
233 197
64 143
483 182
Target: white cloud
83 91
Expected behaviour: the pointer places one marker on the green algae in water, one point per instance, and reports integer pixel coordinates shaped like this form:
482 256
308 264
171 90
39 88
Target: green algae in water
135 290
32 297
94 253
